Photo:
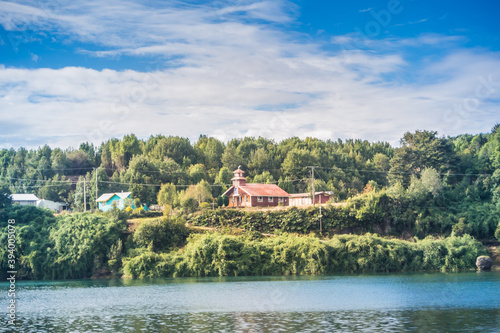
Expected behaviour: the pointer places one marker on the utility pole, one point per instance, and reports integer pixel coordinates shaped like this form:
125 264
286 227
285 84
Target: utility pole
313 188
84 195
314 199
96 194
320 222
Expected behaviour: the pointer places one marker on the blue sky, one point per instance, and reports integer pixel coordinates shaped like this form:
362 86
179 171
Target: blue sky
92 70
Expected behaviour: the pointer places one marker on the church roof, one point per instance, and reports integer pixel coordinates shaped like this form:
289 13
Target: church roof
263 190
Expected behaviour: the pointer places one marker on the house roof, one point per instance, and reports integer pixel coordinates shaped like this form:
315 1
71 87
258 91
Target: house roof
42 201
24 197
264 190
106 196
123 195
300 195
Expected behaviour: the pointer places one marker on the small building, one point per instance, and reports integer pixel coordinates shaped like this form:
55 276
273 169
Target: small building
24 199
305 199
52 205
120 200
242 194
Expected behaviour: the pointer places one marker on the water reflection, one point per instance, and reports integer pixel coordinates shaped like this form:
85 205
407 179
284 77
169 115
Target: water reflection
462 320
368 303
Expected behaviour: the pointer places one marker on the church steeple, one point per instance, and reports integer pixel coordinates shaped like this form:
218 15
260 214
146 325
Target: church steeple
239 179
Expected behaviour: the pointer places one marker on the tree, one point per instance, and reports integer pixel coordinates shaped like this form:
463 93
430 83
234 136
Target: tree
231 159
420 150
145 175
259 161
197 173
202 192
429 182
167 195
381 162
130 146
56 189
79 161
210 151
174 147
264 178
79 201
5 200
296 162
286 184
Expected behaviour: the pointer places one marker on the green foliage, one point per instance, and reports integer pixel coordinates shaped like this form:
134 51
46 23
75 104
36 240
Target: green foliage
161 234
497 232
395 212
80 245
33 226
264 178
5 200
215 254
205 205
344 167
461 228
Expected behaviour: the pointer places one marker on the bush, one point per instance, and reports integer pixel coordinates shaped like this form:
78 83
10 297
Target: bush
497 232
149 264
161 234
205 206
80 246
33 227
214 254
461 228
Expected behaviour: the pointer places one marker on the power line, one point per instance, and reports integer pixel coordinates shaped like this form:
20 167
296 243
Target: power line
406 173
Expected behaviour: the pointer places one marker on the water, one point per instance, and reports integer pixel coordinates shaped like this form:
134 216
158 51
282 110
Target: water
464 302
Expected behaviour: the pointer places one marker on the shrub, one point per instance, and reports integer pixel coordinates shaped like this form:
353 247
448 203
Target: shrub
205 206
161 234
215 254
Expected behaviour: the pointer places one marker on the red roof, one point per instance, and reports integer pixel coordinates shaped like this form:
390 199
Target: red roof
264 190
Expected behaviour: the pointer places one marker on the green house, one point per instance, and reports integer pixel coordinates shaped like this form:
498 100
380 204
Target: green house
120 200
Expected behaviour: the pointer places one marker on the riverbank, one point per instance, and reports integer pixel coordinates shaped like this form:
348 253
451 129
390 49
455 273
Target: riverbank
81 246
218 254
494 253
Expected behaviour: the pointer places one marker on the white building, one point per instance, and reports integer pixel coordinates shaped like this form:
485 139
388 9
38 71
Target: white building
52 205
24 199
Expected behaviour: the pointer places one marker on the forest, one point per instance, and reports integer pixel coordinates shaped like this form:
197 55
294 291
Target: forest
429 204
172 171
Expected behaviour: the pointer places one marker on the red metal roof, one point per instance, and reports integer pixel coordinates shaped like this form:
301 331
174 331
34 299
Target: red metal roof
264 190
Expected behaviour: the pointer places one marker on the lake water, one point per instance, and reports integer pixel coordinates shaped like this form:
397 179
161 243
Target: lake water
438 302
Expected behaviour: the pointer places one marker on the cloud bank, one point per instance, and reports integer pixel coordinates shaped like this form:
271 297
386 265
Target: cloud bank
232 69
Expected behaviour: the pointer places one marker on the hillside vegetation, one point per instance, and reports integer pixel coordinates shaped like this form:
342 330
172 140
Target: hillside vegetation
441 195
183 175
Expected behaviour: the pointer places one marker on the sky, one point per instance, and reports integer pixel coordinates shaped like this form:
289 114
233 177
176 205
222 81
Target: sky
91 70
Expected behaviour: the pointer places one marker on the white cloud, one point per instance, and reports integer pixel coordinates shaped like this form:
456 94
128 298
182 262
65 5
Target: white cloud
234 76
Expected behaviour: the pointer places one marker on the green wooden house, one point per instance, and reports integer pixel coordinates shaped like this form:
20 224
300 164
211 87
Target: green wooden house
120 200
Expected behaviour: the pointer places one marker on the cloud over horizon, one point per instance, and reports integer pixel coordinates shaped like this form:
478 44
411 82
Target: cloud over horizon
233 69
